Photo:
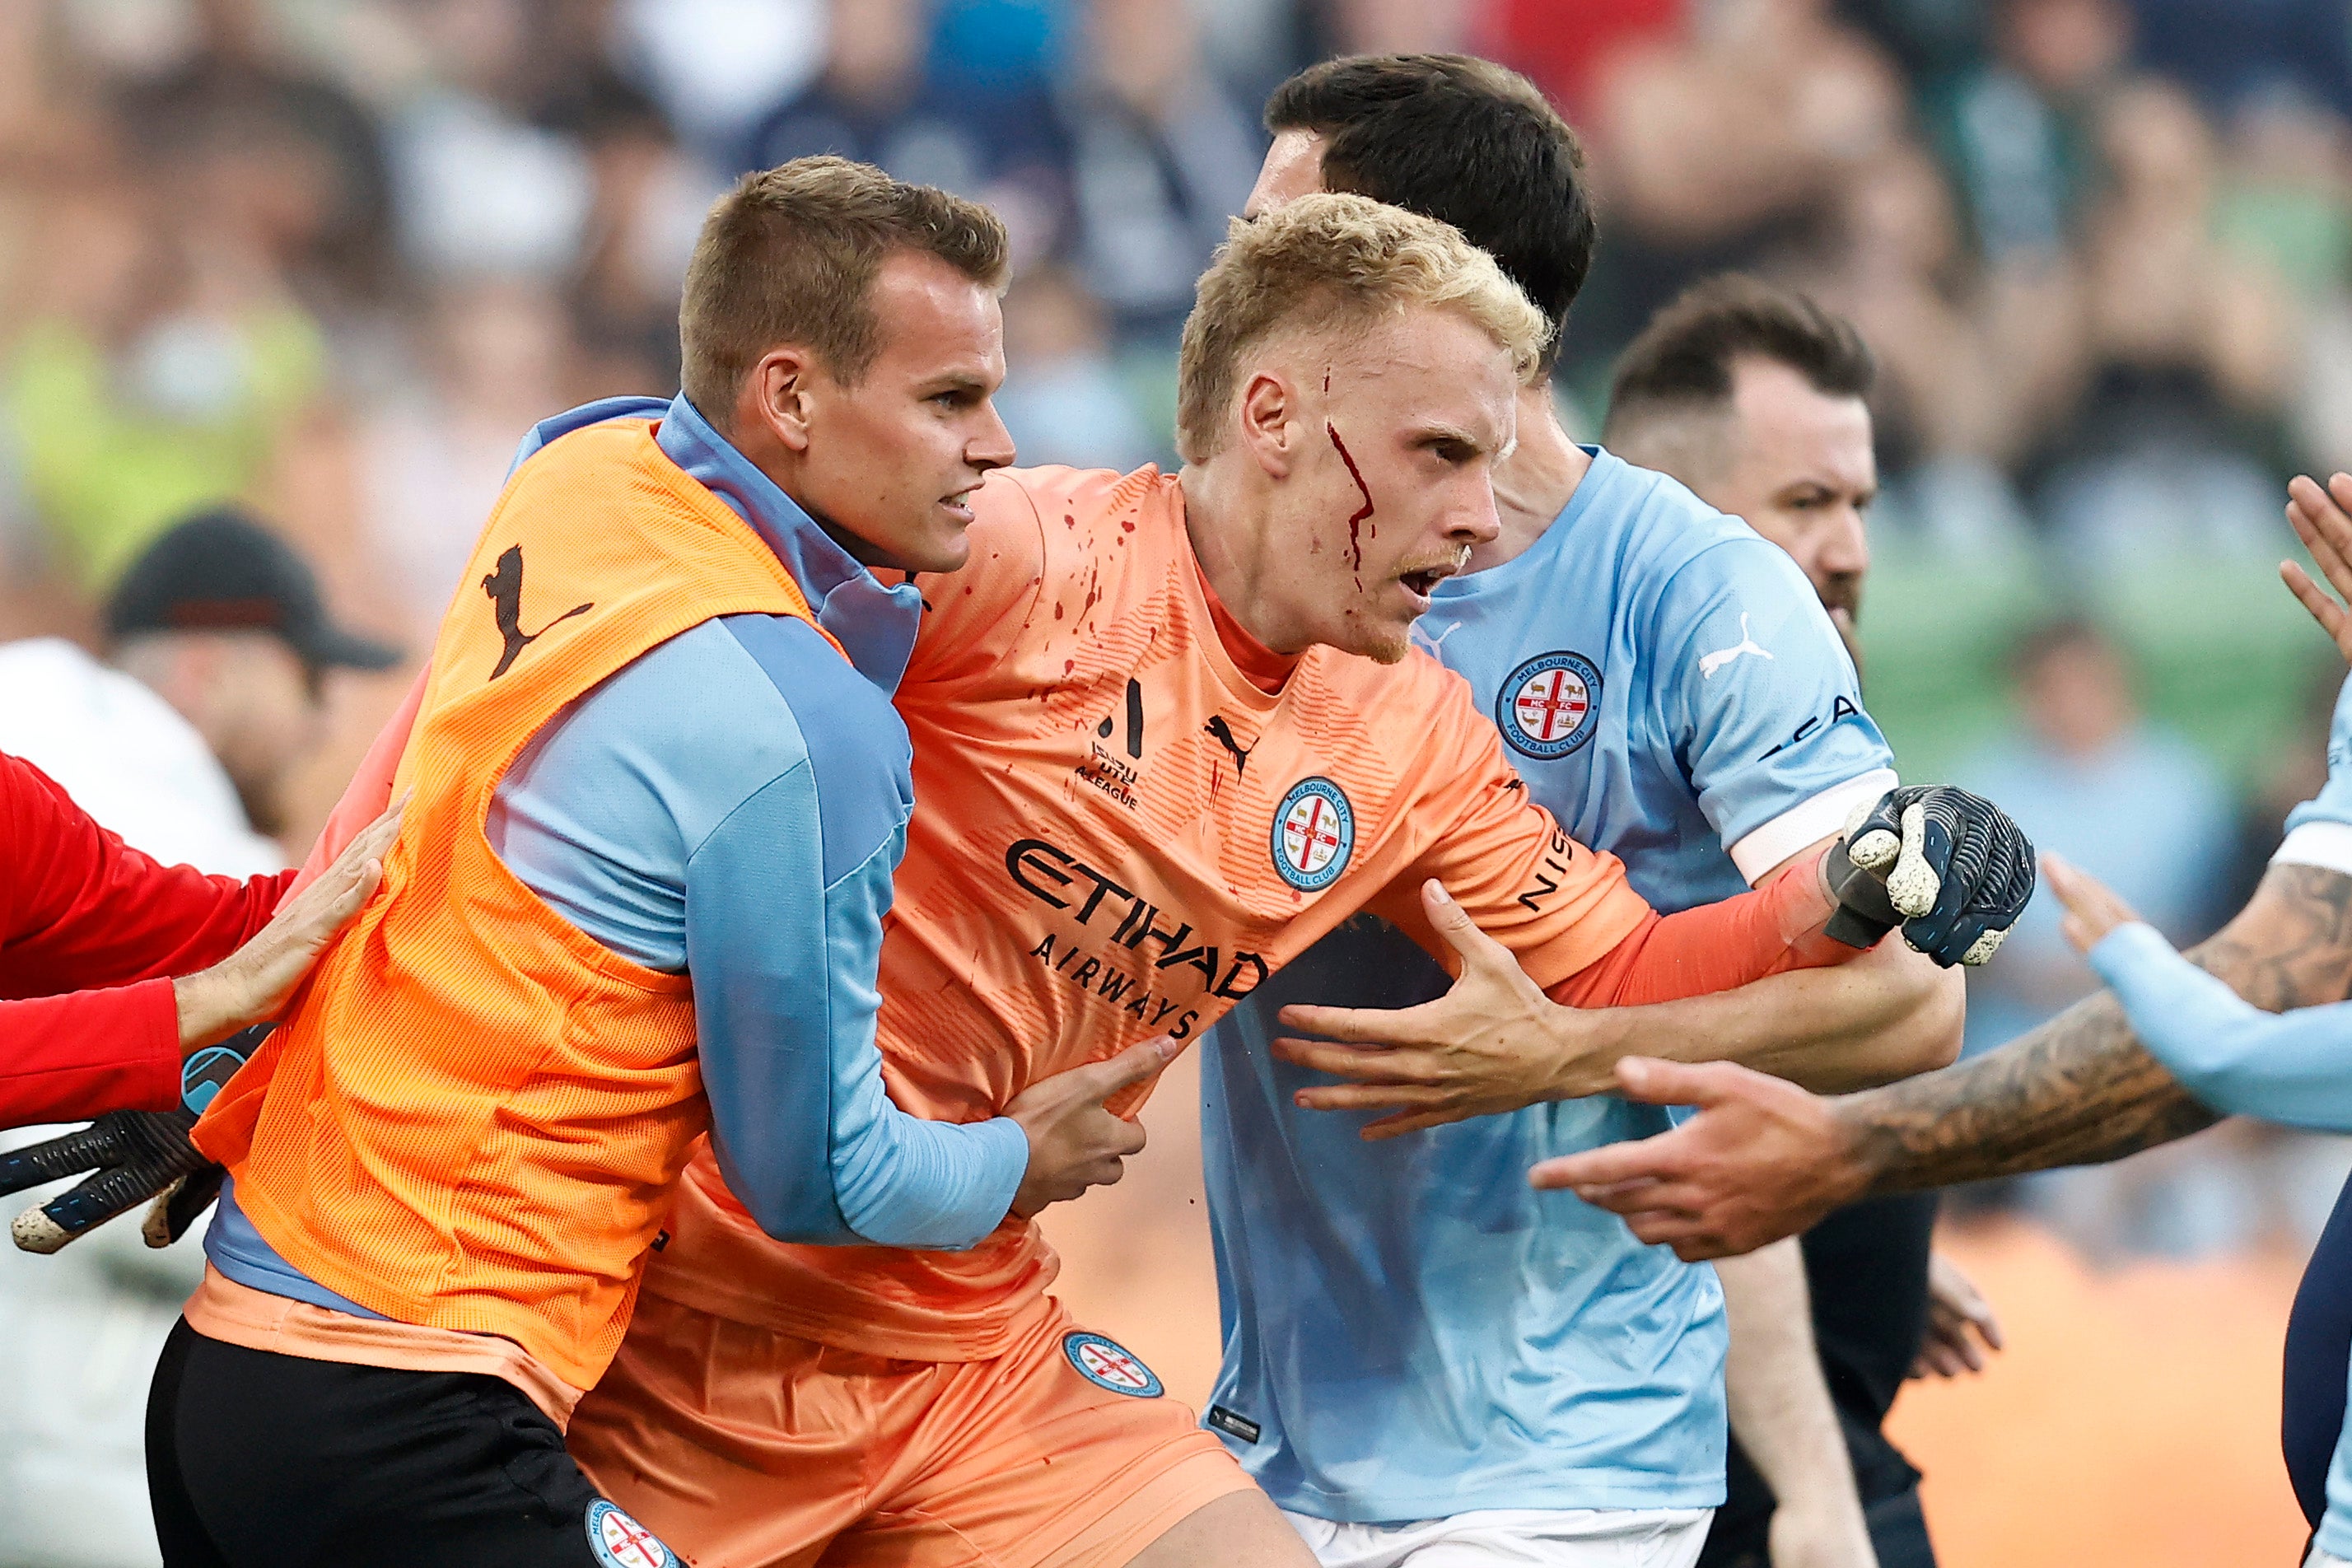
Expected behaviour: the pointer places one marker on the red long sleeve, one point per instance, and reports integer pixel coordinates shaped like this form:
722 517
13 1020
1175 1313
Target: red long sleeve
80 909
1767 931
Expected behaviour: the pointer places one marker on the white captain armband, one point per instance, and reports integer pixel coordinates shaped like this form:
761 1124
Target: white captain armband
1807 824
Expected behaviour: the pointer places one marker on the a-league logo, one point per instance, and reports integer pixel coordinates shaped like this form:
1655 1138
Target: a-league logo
1550 705
1107 1363
1313 834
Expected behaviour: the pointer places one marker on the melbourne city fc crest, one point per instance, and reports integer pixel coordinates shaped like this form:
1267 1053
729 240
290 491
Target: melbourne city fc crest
1550 705
620 1541
1314 833
1107 1363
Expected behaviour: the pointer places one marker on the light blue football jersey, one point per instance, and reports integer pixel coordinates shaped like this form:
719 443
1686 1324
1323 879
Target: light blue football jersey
2326 820
1410 1331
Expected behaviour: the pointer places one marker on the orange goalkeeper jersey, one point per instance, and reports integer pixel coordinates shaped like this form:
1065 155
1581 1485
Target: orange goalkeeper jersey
1117 835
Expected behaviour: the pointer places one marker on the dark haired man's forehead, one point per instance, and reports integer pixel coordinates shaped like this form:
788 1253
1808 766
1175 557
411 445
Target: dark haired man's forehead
1293 168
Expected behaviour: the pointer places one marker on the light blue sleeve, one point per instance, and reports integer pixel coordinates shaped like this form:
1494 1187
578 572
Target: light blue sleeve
734 804
2290 1068
2319 831
1764 704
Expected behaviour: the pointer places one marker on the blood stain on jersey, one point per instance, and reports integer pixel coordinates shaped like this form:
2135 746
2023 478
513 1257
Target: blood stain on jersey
1107 1363
1550 705
1313 834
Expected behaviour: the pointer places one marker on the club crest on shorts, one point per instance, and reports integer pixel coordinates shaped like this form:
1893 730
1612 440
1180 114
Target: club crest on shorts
1107 1363
620 1541
1550 704
1313 834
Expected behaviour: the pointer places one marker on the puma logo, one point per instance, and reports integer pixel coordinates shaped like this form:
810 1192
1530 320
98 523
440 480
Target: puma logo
1709 663
1435 645
1221 733
505 588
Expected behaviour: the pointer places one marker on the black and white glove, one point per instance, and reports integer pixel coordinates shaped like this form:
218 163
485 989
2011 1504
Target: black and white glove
1948 866
131 1156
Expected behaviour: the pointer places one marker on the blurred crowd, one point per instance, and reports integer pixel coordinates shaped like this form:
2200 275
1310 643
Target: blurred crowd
329 259
2101 246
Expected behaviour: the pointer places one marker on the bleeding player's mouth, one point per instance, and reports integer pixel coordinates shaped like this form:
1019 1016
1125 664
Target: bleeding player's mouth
1422 582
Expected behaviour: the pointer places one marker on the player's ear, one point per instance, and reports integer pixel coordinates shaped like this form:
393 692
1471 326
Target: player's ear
775 395
1267 429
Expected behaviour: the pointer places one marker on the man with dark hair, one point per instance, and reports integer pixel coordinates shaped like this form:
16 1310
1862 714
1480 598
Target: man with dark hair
1754 396
1455 139
1419 1358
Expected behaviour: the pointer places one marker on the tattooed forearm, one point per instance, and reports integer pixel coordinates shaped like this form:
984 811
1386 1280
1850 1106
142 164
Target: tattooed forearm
2081 1090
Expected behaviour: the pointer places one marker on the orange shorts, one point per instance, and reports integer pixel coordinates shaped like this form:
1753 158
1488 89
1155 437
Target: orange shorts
743 1448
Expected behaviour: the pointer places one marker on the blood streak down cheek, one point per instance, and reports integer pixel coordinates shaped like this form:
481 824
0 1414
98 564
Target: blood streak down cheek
1363 514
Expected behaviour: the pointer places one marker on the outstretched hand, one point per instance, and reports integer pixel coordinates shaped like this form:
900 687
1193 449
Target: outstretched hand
2322 519
253 983
1961 1329
2092 909
1492 1043
1762 1159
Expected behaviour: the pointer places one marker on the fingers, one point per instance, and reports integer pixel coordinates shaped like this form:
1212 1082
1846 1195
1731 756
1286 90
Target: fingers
1913 885
1960 1351
1939 1357
1369 1097
1402 1122
2331 616
1368 1066
2068 885
55 1159
372 842
1612 1165
1654 1082
1694 1240
1461 932
34 1231
2323 519
82 1208
1872 834
181 1205
1362 1025
2092 909
1136 1064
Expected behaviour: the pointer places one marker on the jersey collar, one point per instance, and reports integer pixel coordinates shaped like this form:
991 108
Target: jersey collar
876 625
1588 496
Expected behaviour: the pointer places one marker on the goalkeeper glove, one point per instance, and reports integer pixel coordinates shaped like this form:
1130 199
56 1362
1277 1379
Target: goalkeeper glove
132 1156
1949 867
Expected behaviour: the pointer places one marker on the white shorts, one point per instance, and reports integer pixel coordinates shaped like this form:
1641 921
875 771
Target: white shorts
1520 1538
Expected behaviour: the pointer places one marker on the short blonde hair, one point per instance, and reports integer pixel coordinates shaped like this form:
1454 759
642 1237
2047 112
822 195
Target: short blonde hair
1331 259
789 256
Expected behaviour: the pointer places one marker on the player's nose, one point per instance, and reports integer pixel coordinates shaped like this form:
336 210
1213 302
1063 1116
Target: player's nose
1474 520
1846 547
992 445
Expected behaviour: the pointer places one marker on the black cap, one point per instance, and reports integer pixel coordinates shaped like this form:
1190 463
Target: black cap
221 570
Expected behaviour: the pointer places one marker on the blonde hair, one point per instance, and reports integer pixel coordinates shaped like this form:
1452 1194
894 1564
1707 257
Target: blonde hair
789 256
1333 259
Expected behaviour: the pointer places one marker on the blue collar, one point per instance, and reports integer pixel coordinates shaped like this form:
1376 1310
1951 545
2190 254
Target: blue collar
874 625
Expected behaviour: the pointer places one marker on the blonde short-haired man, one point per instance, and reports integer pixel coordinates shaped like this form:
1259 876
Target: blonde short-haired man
1168 731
